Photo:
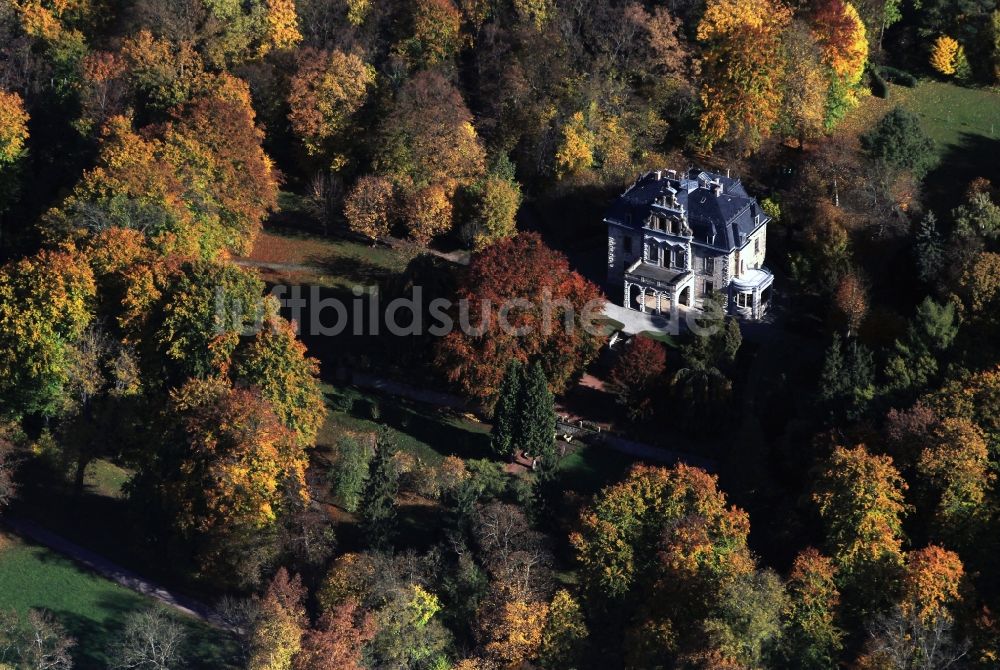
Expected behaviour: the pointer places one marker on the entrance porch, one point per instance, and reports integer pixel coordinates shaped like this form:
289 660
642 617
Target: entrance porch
658 290
750 293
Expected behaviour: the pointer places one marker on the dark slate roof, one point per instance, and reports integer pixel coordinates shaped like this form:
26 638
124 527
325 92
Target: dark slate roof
716 221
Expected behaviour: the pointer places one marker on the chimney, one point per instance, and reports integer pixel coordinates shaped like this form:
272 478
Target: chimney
727 173
659 175
717 188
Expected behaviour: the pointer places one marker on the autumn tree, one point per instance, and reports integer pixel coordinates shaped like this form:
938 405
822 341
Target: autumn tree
638 374
281 30
276 636
428 137
804 86
369 207
46 304
275 361
510 626
860 498
851 300
223 478
957 468
840 34
325 95
945 55
565 633
812 639
656 549
337 640
436 35
497 197
740 96
919 632
537 296
427 213
13 136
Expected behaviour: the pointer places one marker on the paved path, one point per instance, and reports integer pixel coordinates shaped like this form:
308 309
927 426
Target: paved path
635 322
112 571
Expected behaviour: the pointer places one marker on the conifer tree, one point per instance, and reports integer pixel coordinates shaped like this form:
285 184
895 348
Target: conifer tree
378 503
535 422
505 412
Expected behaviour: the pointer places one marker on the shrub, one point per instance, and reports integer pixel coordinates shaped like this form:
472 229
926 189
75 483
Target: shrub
878 85
897 76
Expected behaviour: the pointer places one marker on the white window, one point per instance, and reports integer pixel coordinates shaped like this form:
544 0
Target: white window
743 300
709 289
708 265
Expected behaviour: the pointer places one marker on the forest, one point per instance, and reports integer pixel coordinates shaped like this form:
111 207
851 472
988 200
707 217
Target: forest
194 475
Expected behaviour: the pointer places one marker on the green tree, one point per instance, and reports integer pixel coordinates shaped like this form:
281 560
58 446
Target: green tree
503 435
915 360
378 502
497 197
745 627
847 380
565 633
899 142
535 421
349 472
275 361
928 249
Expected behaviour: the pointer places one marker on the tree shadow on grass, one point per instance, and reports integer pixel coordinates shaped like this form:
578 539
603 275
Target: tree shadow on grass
430 425
974 156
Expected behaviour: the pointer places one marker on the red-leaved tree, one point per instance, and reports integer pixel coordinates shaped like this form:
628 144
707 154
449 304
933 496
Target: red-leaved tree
549 322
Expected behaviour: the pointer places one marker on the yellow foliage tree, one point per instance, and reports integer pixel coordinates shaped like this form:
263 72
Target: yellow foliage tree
576 150
368 207
945 55
428 213
282 31
513 629
13 128
740 97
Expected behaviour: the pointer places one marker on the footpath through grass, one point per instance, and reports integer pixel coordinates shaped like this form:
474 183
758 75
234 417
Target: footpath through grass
92 609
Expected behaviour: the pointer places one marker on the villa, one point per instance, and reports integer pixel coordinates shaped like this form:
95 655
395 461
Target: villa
677 239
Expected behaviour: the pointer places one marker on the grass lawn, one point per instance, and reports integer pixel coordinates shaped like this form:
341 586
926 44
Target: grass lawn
949 113
338 262
963 122
427 432
91 608
590 468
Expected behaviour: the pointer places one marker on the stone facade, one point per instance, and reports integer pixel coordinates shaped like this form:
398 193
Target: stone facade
680 239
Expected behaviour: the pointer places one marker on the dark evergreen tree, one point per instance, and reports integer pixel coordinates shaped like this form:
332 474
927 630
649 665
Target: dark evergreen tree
928 249
847 382
503 435
536 418
900 143
378 503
